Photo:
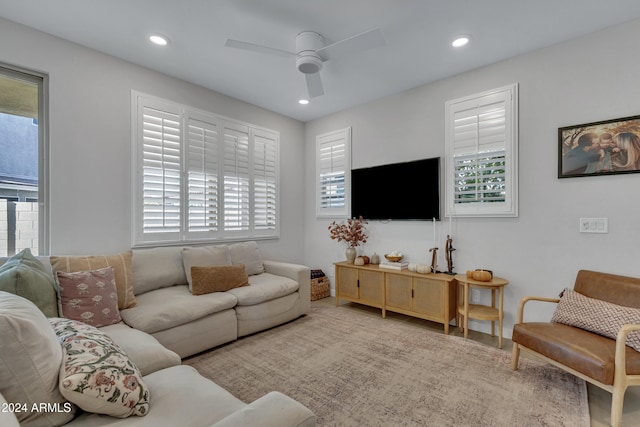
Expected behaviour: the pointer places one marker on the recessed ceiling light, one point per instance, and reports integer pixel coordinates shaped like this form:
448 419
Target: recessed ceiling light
158 39
303 101
460 41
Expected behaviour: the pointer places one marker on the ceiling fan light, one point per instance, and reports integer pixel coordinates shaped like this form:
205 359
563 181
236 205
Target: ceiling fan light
309 64
303 101
460 41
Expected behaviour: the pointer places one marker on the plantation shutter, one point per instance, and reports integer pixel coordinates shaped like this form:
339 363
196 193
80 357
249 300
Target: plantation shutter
333 166
236 178
479 138
481 143
265 181
199 176
161 166
202 176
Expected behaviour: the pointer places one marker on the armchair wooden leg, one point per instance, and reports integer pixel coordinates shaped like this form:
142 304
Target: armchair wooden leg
617 400
515 356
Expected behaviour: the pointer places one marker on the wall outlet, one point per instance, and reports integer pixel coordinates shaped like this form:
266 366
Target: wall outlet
594 225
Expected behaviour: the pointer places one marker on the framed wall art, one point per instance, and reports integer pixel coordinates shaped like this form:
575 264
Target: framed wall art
599 148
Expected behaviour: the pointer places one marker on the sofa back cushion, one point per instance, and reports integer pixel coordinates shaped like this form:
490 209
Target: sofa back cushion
620 290
30 359
248 254
25 275
156 268
122 270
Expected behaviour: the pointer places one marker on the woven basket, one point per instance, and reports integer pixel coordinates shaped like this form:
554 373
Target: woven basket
319 288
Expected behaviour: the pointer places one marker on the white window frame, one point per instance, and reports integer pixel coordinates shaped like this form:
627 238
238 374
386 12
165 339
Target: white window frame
333 157
212 176
477 144
42 81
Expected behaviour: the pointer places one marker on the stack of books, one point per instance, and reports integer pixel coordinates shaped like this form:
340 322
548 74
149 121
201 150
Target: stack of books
394 265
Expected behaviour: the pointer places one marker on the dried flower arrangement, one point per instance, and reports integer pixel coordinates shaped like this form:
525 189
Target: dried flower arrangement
353 232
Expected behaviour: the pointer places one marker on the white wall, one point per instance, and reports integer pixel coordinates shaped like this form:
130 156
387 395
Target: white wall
588 79
90 141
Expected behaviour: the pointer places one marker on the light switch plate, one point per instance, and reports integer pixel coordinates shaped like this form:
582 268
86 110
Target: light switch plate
594 225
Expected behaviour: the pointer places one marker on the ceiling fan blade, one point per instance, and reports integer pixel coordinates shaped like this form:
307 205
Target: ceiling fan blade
363 41
314 85
258 48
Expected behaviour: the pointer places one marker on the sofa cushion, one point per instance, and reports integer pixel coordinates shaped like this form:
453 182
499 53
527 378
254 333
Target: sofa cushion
24 275
584 351
96 374
169 307
30 358
181 397
217 279
205 256
264 287
248 254
157 268
122 270
89 296
594 315
144 350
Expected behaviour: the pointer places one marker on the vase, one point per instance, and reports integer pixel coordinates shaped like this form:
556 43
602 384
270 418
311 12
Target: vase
351 255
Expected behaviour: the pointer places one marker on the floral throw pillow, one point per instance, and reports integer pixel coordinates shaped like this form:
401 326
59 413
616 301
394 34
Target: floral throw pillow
89 296
96 374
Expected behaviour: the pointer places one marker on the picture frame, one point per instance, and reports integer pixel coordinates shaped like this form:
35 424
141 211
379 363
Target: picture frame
600 148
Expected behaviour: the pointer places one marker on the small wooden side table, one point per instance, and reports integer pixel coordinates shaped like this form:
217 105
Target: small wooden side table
482 312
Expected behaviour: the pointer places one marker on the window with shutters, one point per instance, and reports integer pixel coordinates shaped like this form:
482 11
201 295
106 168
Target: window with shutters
481 138
333 167
200 176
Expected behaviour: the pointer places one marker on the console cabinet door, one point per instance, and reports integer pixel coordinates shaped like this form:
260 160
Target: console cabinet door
348 279
372 288
399 291
429 296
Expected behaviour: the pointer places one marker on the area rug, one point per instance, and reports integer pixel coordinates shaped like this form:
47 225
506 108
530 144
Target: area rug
355 369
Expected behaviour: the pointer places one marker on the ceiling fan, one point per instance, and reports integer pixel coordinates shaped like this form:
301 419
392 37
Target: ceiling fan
311 52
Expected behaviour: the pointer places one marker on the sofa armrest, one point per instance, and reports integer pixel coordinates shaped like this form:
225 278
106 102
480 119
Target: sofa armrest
298 272
271 410
526 299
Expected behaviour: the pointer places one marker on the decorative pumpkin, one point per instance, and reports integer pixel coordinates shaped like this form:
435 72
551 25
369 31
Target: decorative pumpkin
359 261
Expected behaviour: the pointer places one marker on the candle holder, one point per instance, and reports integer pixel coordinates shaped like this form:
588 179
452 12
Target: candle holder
449 254
434 260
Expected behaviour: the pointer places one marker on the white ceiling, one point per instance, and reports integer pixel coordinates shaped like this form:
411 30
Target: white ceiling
418 34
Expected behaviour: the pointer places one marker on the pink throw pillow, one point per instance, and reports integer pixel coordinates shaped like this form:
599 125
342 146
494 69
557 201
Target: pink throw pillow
89 296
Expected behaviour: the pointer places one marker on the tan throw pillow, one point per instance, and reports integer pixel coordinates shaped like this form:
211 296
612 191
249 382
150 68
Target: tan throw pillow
594 315
204 256
217 279
89 296
122 271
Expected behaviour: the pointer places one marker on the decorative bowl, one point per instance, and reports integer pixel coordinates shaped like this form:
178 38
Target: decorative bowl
393 258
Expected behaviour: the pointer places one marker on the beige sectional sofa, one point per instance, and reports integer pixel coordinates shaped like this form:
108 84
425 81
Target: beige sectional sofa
166 324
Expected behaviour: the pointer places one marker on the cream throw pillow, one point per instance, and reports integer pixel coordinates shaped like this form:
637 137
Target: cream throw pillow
30 358
594 315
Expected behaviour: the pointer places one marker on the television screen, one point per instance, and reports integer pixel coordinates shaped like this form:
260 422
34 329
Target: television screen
401 191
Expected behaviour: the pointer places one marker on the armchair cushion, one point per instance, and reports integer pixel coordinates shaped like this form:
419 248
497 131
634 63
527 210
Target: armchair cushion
600 317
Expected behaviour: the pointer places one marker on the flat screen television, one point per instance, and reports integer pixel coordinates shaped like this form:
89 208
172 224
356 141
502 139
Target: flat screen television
397 191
